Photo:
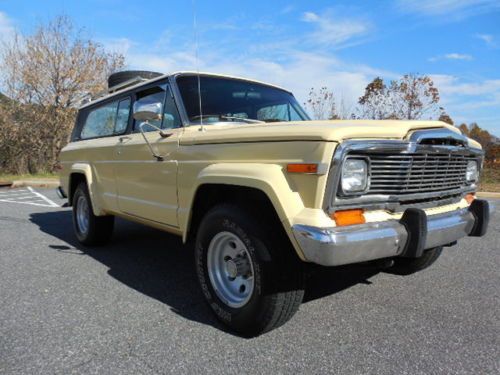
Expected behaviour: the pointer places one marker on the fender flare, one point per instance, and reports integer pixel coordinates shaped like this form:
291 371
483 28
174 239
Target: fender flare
86 170
269 178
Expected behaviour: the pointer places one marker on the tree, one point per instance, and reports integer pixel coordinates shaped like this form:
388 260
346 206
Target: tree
3 98
411 97
375 102
493 152
322 104
480 135
488 142
414 97
445 117
46 75
464 129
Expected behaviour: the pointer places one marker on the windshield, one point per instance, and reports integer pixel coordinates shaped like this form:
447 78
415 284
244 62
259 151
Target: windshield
225 99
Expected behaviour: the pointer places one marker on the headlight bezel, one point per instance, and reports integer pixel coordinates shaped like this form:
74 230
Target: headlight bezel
366 185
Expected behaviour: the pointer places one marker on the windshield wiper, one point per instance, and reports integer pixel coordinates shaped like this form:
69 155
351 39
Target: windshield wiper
247 120
273 120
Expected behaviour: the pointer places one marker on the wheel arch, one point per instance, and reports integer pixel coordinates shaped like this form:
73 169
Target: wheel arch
82 172
264 184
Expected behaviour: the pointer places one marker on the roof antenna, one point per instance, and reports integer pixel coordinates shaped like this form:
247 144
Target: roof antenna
202 128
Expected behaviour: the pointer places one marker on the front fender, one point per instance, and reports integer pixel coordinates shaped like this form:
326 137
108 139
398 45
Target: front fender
269 178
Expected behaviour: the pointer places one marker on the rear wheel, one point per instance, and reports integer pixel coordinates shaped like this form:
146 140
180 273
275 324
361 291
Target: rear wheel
407 266
247 271
89 228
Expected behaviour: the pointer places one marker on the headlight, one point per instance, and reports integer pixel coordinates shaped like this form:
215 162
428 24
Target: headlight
354 175
472 174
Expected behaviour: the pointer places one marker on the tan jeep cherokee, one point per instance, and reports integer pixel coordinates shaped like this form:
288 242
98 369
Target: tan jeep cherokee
237 166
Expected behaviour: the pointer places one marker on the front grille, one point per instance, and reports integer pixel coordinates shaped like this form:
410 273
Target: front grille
399 174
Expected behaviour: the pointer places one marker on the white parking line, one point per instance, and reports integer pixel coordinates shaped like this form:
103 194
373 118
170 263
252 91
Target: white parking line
13 193
43 197
22 196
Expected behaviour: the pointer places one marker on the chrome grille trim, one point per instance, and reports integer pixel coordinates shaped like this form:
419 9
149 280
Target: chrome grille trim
403 164
412 173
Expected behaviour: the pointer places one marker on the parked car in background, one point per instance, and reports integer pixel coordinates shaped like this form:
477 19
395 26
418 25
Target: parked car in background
236 166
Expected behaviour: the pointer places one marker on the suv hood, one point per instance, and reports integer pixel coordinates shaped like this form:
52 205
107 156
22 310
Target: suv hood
330 131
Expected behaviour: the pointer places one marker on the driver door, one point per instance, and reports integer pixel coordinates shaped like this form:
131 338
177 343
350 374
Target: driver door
146 187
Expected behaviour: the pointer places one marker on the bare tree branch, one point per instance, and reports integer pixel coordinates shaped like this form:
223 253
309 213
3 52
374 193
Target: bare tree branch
46 74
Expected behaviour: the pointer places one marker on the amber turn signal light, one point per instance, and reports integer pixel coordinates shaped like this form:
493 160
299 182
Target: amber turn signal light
470 197
302 168
348 217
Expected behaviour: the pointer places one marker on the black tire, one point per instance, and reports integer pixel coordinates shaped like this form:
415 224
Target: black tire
407 266
120 77
278 278
99 228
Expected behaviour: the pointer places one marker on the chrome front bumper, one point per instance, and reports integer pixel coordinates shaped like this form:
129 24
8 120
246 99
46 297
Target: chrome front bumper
359 243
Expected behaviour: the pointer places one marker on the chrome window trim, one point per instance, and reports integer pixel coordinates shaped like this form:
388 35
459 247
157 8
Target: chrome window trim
180 103
332 201
174 89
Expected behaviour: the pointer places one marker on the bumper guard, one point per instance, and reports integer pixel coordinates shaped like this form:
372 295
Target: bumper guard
407 237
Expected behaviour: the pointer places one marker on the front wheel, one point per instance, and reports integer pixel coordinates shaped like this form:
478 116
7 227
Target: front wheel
247 271
407 266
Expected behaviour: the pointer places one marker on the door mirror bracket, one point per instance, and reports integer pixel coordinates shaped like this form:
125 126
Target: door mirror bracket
146 112
162 134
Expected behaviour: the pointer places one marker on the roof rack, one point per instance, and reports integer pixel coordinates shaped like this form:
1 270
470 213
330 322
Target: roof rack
88 98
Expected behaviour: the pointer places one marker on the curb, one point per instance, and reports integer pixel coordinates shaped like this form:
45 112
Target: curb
52 183
487 194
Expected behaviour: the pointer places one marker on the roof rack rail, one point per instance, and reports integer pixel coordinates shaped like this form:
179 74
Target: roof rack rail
127 83
87 98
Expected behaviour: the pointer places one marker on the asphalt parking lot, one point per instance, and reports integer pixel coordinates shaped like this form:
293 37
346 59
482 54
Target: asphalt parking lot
134 307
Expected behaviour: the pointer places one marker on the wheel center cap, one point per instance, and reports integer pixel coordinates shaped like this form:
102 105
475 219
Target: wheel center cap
231 268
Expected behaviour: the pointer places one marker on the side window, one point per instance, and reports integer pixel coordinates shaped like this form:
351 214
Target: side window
171 118
294 115
100 122
278 112
153 95
122 116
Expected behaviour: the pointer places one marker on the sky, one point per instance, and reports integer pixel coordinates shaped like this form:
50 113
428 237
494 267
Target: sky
298 45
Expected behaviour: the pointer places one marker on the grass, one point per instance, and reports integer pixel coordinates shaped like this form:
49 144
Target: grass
15 177
490 178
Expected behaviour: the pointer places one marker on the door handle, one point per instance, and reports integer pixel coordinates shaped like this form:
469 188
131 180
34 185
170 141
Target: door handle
124 138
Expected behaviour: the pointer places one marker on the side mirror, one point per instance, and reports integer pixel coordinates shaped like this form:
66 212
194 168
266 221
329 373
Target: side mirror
147 112
150 112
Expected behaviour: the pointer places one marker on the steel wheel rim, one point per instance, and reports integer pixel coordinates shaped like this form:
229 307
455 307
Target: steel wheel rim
230 269
82 214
